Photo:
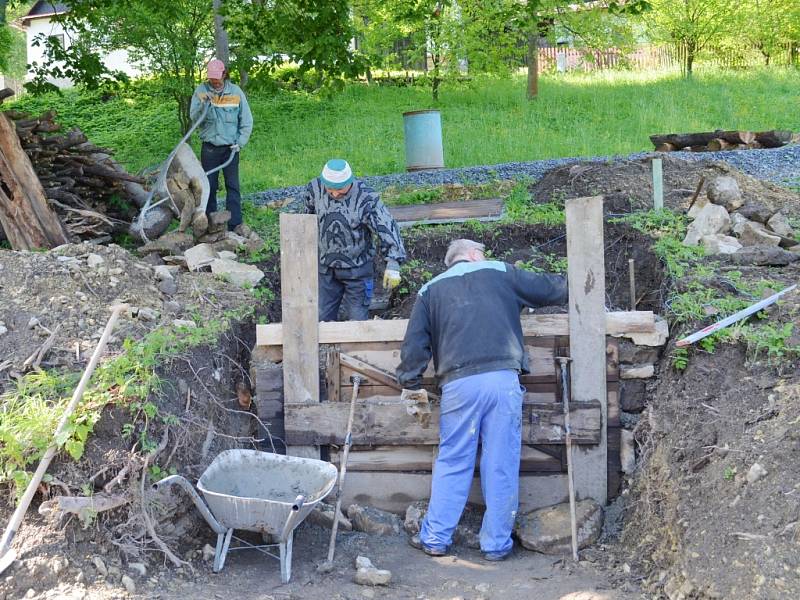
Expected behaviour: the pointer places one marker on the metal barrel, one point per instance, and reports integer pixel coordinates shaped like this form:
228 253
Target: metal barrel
423 136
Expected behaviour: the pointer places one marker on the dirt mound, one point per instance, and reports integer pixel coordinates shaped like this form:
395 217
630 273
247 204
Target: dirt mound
68 291
628 185
714 512
170 404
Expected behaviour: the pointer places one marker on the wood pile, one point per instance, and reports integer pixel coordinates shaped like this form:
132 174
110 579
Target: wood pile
713 141
91 194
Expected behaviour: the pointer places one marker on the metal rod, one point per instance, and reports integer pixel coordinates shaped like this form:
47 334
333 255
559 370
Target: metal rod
563 361
33 485
348 441
632 280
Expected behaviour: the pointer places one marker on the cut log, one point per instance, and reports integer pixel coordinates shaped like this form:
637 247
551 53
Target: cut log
26 218
386 422
774 138
689 140
5 93
666 147
719 144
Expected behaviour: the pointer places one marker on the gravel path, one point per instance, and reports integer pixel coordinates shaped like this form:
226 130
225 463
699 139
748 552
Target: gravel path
780 165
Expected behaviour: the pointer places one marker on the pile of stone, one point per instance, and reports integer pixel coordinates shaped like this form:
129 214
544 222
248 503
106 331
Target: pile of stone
724 223
216 252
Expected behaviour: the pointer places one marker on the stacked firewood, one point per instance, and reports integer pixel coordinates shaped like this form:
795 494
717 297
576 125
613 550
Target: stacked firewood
92 193
712 141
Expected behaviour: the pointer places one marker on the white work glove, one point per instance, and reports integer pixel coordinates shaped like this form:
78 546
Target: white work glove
391 276
235 148
417 405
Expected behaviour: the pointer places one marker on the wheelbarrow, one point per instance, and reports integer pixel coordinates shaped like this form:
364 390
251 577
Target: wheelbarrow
258 491
155 216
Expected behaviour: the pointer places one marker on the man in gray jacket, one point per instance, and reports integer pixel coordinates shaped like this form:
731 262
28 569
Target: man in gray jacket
467 319
349 214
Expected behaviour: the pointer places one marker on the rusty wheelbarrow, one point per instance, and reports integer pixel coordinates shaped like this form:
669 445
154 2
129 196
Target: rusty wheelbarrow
258 491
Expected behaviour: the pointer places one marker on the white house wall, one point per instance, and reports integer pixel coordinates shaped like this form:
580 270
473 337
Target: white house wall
117 60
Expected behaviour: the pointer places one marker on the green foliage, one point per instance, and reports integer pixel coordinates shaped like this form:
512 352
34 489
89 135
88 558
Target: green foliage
487 122
729 474
520 208
266 223
32 408
769 340
680 358
423 195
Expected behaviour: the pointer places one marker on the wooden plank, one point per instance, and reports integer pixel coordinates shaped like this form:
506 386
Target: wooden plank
395 491
299 302
421 458
332 373
386 423
617 323
447 212
587 331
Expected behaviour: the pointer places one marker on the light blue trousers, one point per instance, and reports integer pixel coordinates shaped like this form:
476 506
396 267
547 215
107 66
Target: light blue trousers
486 408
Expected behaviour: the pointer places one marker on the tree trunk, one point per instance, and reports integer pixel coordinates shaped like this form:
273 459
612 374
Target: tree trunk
533 66
685 140
25 216
220 35
689 60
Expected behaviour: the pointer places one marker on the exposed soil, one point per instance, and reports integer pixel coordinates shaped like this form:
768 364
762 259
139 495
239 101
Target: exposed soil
628 184
538 247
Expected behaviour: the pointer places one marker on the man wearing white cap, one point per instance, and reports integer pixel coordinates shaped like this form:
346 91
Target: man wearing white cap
349 214
226 129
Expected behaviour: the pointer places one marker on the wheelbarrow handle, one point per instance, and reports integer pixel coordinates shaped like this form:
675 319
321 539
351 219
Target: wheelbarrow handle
293 520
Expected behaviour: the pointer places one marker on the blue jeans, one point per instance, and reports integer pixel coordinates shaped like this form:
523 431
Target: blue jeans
342 287
486 408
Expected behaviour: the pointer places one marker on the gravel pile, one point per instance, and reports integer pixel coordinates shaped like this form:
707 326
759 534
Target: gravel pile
780 165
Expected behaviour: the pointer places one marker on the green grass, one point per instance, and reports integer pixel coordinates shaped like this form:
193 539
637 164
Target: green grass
485 122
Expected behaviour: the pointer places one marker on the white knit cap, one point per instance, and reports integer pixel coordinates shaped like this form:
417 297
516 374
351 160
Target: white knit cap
337 174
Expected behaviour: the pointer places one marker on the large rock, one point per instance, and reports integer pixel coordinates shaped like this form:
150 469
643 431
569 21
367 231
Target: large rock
762 256
755 211
755 234
632 354
200 256
369 574
322 515
737 223
636 371
724 190
627 452
373 520
547 530
710 220
238 273
632 395
699 204
657 338
780 225
174 242
720 244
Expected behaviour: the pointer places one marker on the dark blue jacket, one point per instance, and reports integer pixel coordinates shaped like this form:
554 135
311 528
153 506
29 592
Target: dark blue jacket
467 318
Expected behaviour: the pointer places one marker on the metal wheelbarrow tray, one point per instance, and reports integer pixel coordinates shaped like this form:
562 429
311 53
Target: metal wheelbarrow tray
258 491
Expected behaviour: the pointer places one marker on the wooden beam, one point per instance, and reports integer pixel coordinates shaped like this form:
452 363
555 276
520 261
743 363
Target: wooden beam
421 458
25 215
447 212
617 323
587 331
299 300
385 422
395 491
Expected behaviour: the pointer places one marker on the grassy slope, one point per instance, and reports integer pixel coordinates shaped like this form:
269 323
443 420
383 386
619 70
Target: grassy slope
486 122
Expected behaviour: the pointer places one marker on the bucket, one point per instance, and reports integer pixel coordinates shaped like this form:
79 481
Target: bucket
423 135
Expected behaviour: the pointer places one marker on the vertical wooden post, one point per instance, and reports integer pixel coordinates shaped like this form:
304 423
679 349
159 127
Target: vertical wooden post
587 334
658 185
299 301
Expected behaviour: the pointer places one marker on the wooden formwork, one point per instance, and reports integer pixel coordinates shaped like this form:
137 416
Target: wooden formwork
391 461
